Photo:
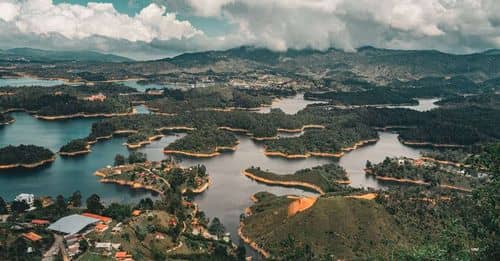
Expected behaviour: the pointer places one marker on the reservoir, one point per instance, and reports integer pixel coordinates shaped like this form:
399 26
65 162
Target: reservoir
28 81
226 198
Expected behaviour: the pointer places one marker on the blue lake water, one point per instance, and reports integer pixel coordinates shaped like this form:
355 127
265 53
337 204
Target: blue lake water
28 81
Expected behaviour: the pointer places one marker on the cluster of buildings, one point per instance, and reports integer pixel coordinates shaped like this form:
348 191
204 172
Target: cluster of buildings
75 227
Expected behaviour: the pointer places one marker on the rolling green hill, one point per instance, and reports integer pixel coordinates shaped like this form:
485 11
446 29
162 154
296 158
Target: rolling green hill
333 228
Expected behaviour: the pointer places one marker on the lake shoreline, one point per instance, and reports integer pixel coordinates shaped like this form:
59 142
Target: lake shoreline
321 154
296 184
28 165
216 152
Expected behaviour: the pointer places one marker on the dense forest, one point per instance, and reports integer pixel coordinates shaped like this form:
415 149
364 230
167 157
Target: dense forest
328 177
78 145
175 100
461 125
433 174
456 156
204 140
24 154
330 140
489 100
369 97
67 100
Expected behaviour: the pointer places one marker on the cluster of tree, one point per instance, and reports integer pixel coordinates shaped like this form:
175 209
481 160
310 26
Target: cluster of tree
5 118
176 100
205 140
329 140
433 174
133 157
74 146
489 99
57 101
444 225
459 125
458 155
487 159
325 176
24 154
368 97
260 125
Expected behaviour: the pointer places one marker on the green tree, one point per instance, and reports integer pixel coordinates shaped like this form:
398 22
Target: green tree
3 207
17 250
76 199
216 227
120 160
61 205
118 211
94 204
145 204
19 206
136 157
241 252
84 245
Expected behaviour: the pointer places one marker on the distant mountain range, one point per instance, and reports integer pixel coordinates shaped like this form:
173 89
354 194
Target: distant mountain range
369 62
37 55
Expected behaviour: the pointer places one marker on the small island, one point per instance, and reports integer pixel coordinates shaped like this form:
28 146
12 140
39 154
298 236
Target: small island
6 119
25 156
75 148
203 143
329 142
428 173
157 177
321 179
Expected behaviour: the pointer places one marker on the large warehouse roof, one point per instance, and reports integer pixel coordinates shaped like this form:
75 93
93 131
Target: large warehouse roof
72 224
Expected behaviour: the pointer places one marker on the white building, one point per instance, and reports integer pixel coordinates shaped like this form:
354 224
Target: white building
28 198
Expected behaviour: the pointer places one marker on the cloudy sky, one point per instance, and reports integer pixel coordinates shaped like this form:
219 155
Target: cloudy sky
147 29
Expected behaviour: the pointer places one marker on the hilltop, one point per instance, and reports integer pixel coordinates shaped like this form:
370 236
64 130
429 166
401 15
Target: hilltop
38 55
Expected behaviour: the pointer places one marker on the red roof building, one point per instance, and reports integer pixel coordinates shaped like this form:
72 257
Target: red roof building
106 220
32 236
40 222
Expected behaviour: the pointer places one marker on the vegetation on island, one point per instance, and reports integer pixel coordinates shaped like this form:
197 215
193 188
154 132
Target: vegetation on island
449 155
328 178
488 100
176 100
370 97
5 119
408 170
332 140
24 156
66 100
75 147
155 176
204 141
455 126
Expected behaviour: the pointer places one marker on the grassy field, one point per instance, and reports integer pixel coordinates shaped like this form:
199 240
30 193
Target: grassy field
335 227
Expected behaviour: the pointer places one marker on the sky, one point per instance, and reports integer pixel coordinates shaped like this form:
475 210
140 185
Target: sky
151 29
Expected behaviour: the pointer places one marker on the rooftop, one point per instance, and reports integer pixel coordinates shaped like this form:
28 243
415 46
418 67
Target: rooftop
72 224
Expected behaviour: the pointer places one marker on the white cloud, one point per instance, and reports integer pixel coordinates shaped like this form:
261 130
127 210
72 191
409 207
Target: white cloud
42 17
450 25
8 11
447 25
